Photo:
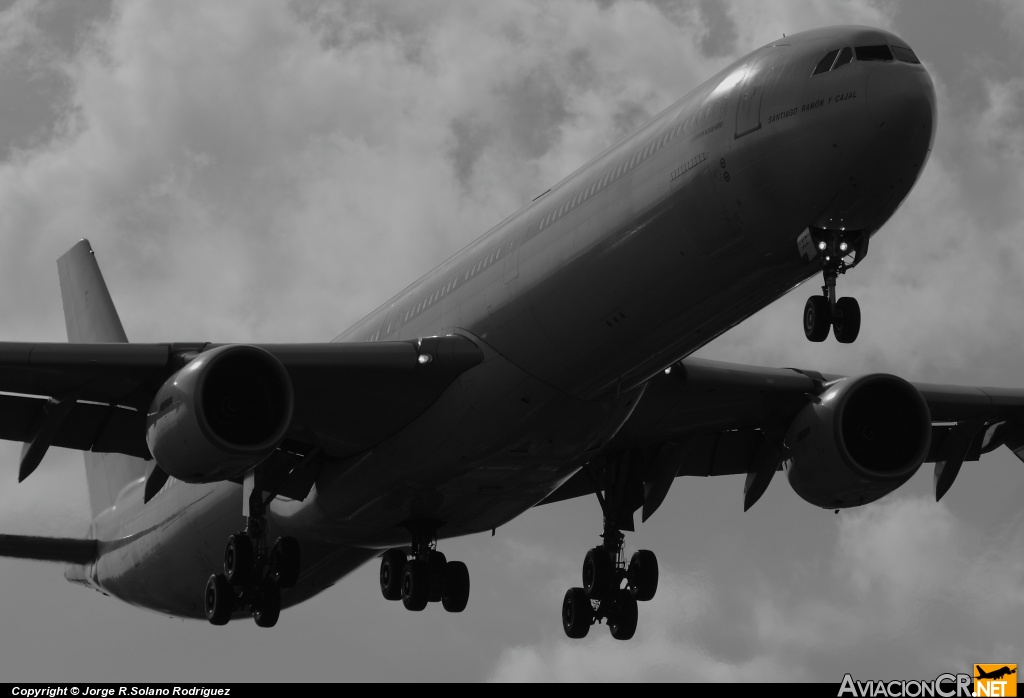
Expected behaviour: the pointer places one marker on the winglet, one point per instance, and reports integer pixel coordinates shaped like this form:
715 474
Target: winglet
89 312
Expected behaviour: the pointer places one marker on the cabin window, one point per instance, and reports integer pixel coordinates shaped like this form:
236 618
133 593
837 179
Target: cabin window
874 53
825 64
845 56
904 54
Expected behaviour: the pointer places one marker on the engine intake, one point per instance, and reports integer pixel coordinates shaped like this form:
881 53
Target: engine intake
862 439
220 415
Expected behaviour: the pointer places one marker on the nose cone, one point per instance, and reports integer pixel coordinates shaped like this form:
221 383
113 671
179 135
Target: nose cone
901 102
895 137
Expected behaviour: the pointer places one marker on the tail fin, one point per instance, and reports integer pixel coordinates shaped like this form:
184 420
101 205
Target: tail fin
90 317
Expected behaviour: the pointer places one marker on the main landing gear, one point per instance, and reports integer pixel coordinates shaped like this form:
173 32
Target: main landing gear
611 586
610 590
253 576
424 575
826 312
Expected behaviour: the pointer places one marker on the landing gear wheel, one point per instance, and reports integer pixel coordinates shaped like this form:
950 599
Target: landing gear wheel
817 318
846 323
267 608
436 562
455 587
238 559
623 619
577 613
220 600
285 562
392 564
415 585
643 575
597 572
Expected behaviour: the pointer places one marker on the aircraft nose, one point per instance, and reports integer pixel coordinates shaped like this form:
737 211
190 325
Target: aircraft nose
901 101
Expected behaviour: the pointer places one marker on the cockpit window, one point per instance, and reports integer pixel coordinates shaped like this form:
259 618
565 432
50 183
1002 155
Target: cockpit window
825 63
845 57
904 54
874 53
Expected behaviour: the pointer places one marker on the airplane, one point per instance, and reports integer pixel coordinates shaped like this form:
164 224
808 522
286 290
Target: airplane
549 359
996 674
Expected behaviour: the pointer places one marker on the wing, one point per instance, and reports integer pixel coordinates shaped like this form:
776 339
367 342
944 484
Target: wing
704 418
95 397
285 408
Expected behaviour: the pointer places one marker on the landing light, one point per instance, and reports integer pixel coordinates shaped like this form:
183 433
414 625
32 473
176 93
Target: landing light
425 358
821 245
843 246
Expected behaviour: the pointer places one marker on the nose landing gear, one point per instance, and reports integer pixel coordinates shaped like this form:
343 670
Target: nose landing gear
826 312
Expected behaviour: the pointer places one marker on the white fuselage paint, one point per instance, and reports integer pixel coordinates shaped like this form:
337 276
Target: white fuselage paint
636 260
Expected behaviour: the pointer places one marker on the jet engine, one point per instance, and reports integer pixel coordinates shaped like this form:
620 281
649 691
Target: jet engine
221 415
861 439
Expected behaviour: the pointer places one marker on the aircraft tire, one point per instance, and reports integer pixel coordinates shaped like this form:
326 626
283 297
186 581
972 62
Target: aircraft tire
219 600
817 318
643 575
415 585
577 613
623 620
846 324
238 559
392 564
455 590
267 608
285 562
597 572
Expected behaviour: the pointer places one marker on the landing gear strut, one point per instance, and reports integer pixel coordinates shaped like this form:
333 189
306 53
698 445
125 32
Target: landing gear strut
253 575
611 586
826 312
424 575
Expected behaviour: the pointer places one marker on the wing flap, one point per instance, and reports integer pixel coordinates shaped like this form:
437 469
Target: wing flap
88 427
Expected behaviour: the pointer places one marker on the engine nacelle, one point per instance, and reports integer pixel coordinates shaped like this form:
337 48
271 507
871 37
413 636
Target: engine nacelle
220 415
861 440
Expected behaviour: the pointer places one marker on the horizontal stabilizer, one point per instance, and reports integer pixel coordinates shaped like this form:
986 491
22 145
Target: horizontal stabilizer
75 550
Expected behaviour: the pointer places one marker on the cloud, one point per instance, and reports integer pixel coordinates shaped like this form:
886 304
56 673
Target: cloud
908 585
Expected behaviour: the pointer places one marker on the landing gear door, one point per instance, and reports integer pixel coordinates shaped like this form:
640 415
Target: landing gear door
748 110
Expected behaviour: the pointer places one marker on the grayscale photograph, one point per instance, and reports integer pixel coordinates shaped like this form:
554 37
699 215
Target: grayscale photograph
512 341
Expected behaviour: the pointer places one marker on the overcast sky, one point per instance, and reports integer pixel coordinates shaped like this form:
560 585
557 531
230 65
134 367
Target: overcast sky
271 171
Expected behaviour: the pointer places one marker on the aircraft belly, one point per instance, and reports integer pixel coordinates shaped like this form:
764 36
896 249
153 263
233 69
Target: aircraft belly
162 554
497 442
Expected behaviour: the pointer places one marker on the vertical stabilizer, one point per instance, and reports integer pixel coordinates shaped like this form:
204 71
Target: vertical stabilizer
90 317
89 313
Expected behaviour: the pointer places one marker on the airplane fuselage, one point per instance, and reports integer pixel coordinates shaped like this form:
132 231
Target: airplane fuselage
639 258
